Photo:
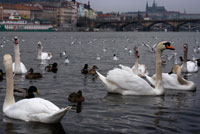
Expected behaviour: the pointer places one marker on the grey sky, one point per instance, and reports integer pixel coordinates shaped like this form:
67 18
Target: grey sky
191 6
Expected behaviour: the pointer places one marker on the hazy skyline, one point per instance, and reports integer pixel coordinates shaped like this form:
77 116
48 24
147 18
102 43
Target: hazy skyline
191 6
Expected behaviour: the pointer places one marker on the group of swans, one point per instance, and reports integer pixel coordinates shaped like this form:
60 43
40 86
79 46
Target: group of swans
18 66
125 81
35 109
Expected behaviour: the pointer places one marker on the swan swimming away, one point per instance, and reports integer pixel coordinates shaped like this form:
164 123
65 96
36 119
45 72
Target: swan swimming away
43 55
174 81
18 67
123 82
35 109
188 66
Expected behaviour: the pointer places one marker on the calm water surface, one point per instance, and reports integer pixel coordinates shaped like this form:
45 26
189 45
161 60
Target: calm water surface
175 112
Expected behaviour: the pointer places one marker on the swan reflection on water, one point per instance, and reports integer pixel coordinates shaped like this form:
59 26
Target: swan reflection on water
17 126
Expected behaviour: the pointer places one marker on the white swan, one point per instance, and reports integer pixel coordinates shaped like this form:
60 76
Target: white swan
43 55
139 69
18 66
115 57
174 81
35 109
188 66
125 83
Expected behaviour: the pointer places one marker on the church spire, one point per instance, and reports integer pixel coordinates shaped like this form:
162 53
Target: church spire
154 4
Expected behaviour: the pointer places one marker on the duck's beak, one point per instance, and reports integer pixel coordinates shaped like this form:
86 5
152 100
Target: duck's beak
37 92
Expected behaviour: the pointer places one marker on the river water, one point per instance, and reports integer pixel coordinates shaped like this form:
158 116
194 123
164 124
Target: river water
175 112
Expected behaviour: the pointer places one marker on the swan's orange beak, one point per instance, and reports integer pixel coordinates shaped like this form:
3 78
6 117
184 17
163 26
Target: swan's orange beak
170 47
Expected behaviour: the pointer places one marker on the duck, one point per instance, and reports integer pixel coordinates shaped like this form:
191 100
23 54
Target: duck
188 66
43 55
174 81
115 57
26 92
93 70
52 67
28 110
76 97
85 69
18 66
32 75
139 69
123 82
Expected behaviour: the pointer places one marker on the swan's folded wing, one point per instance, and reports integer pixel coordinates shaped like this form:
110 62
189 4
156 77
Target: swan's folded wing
127 80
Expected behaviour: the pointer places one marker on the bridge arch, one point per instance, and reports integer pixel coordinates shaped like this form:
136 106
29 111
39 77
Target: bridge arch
160 22
134 25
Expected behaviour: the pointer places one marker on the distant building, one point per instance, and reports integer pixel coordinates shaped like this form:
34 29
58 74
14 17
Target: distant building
154 8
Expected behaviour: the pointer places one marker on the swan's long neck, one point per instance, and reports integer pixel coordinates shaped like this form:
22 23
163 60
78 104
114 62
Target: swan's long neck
180 78
17 59
9 99
184 69
39 52
158 84
136 62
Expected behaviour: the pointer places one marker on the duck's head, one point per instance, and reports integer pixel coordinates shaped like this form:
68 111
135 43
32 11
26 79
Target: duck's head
136 51
185 47
174 69
164 45
181 58
54 65
30 70
16 40
94 67
33 89
79 93
85 66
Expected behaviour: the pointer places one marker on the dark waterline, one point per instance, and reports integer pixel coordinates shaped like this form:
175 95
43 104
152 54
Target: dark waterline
175 112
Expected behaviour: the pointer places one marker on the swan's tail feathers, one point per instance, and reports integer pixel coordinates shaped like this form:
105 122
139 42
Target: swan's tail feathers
55 117
58 116
101 77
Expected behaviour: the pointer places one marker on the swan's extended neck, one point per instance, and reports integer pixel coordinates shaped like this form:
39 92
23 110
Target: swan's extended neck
39 52
158 84
184 69
136 62
180 78
17 59
9 99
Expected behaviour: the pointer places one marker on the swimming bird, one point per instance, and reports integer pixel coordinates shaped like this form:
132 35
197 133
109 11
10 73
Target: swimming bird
139 69
174 81
66 60
125 83
43 55
76 97
93 70
115 57
52 67
32 75
188 66
85 69
98 57
26 92
29 110
18 66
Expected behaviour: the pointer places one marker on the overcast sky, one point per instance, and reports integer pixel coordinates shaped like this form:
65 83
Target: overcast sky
191 6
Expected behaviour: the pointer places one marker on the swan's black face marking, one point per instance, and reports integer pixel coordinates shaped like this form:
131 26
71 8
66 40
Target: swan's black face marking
168 45
16 40
185 46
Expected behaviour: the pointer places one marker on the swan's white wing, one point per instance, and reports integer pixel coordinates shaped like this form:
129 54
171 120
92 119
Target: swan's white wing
23 67
30 109
129 82
46 56
192 66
